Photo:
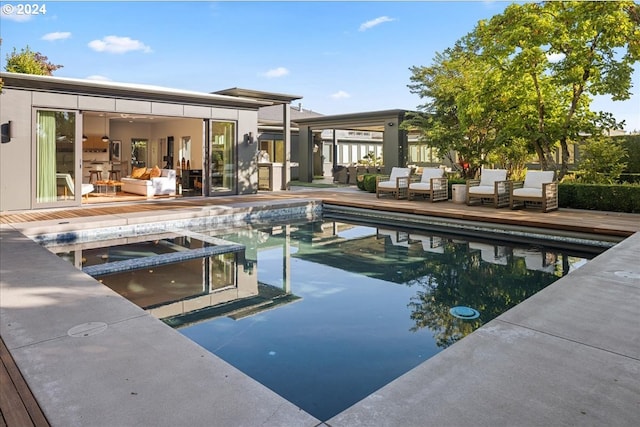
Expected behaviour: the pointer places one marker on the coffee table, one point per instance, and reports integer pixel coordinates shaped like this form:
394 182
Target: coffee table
108 188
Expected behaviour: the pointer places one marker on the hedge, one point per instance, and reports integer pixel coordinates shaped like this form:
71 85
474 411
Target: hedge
601 197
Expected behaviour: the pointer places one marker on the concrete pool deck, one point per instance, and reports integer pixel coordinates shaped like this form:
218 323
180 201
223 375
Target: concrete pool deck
570 355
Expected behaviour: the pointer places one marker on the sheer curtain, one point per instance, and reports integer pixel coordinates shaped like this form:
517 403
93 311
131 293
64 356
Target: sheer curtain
46 157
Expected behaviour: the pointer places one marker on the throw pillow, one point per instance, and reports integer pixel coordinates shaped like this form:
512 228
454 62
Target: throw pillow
146 175
138 172
155 172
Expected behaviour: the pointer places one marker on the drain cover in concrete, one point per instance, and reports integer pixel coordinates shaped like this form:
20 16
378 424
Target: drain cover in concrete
87 329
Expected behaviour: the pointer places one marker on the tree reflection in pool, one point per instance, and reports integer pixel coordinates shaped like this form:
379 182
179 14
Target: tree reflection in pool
371 303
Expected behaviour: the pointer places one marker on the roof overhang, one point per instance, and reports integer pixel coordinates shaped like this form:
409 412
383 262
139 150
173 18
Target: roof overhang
275 98
369 121
125 91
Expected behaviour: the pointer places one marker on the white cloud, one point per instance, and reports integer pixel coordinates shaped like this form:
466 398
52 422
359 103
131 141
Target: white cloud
99 78
555 57
115 44
276 72
13 16
340 95
374 22
58 35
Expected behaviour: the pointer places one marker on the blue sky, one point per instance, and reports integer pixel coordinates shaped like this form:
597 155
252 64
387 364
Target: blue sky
341 57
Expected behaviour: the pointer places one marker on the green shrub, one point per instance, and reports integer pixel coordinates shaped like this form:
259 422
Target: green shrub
367 182
631 143
370 182
602 160
602 197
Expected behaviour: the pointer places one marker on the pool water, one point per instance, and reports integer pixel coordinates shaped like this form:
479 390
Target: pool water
325 313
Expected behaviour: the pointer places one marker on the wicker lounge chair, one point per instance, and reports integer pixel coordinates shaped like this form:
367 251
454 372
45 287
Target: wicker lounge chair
432 183
397 183
538 188
491 187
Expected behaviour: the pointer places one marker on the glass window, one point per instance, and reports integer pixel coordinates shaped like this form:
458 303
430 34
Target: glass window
279 152
56 163
222 157
138 153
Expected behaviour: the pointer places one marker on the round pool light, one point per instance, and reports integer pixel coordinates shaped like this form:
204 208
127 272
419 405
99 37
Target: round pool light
462 312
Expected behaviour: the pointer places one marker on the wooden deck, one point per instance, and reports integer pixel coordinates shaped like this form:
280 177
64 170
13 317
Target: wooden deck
598 222
19 408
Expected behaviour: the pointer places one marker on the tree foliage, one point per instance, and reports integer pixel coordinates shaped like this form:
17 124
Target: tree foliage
530 72
28 62
602 160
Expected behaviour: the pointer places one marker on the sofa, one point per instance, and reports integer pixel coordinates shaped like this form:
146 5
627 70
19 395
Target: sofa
149 185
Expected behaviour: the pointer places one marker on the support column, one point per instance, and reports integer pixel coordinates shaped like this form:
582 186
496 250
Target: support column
335 149
394 145
306 154
286 128
286 260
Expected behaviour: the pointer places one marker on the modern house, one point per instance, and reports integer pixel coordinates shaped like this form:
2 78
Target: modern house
87 130
61 133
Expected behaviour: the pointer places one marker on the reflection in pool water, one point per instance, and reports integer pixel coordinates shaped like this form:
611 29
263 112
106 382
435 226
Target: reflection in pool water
326 313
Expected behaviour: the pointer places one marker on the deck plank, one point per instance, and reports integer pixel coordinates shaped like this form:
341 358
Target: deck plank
17 405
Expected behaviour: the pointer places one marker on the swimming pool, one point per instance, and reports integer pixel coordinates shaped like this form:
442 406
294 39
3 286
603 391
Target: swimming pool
325 313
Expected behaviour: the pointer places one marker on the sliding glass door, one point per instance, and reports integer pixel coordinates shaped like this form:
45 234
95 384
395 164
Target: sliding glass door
222 158
57 168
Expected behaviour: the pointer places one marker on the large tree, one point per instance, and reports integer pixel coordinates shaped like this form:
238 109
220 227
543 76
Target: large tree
544 62
453 118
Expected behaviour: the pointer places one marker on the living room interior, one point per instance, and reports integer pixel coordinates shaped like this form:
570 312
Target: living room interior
162 154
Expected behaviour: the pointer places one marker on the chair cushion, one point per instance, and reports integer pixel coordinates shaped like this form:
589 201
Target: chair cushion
86 189
535 179
528 192
420 186
489 176
428 173
387 184
397 172
482 189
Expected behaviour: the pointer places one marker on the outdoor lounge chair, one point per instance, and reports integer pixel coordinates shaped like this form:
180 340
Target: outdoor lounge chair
397 238
397 183
64 181
536 259
490 253
434 244
538 187
432 183
492 186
